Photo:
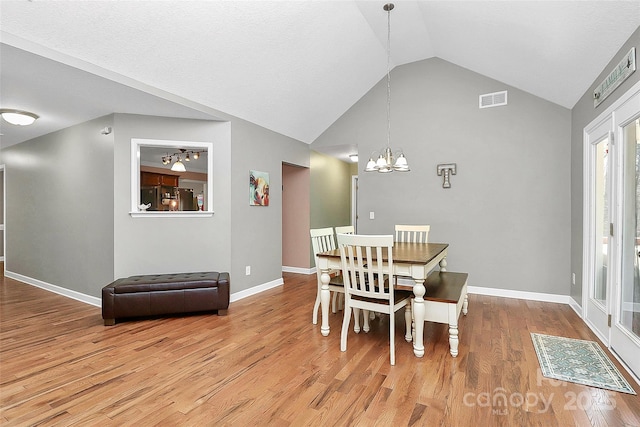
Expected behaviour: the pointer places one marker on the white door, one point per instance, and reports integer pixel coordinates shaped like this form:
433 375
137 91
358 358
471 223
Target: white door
625 328
599 256
611 293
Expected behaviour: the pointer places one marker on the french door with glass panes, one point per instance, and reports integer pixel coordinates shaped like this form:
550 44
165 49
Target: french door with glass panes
611 294
598 228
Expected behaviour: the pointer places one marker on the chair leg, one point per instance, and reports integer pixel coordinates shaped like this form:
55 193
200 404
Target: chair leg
392 338
345 328
316 307
365 317
333 303
356 320
407 321
413 321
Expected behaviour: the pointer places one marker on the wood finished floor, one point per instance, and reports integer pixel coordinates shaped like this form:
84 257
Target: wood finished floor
267 364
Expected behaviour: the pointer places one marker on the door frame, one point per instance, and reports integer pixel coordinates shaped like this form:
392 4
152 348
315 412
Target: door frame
611 114
622 343
593 315
354 202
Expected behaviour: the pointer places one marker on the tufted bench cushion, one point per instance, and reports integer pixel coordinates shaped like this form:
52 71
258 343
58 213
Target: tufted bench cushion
157 294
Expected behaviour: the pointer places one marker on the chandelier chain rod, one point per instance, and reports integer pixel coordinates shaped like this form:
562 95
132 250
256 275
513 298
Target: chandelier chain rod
389 78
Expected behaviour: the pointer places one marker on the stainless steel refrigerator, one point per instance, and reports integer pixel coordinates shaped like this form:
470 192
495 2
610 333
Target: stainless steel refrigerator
186 200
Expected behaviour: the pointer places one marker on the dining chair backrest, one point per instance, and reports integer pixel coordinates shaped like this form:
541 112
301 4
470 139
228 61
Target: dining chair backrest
322 240
346 229
363 267
412 233
367 263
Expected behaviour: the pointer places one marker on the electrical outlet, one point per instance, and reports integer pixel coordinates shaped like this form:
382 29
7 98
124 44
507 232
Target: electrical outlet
573 278
247 270
372 215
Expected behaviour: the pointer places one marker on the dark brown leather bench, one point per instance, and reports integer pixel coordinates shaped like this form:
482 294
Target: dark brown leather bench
158 294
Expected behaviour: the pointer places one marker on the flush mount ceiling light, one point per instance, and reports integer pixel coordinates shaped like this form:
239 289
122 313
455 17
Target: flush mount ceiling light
386 161
18 117
354 158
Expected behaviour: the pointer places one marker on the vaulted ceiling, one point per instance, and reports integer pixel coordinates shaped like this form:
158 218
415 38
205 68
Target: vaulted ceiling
291 66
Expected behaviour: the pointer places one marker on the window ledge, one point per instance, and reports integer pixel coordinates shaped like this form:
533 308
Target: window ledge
174 214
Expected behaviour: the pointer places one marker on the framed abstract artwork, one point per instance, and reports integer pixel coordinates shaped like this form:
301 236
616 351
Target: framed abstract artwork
258 188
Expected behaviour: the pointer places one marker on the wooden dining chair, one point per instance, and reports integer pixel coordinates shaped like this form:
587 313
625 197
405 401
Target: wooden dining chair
350 229
322 240
346 229
366 284
412 233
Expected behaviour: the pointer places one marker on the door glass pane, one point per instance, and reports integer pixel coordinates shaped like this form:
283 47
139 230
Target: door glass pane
630 295
599 291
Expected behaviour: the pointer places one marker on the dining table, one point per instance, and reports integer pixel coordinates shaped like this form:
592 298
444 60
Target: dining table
414 260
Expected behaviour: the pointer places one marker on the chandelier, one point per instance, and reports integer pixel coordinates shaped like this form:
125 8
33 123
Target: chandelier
387 161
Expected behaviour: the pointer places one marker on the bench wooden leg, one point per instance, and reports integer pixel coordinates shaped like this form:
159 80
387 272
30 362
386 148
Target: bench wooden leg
465 305
109 322
223 312
453 340
453 329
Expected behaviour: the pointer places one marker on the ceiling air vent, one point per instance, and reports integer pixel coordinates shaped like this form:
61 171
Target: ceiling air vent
495 99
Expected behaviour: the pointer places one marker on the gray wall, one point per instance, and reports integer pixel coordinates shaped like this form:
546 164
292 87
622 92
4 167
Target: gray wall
59 213
331 190
74 239
582 114
507 215
256 232
71 227
169 245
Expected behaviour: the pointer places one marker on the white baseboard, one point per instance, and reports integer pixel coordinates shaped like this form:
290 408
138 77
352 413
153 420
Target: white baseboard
98 301
298 270
508 293
576 307
78 296
255 290
1 258
534 296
